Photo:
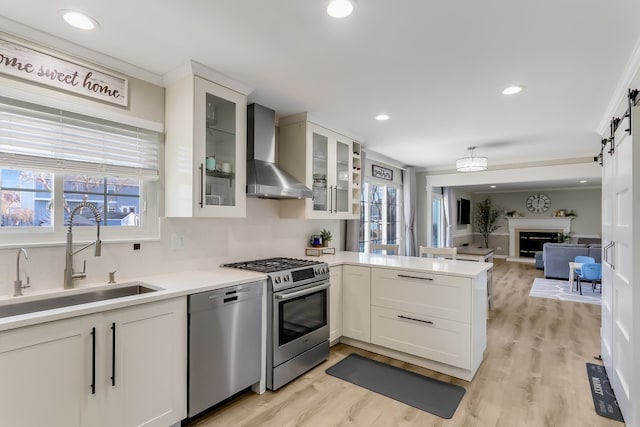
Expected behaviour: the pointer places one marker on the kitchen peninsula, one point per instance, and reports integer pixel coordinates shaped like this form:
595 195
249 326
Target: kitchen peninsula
429 312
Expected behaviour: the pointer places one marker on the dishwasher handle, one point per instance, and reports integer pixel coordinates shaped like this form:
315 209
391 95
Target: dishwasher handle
221 297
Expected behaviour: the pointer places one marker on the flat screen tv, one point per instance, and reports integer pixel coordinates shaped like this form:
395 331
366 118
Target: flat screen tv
464 211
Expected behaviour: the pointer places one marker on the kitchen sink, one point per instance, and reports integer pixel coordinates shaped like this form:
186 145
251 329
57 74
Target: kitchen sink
135 288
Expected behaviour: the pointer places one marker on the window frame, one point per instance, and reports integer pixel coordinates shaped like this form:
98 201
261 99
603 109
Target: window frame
56 234
151 199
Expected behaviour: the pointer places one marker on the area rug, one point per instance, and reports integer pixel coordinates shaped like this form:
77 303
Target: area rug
604 400
428 394
559 289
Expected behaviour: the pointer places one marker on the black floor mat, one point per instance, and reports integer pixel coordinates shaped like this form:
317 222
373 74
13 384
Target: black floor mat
427 394
603 398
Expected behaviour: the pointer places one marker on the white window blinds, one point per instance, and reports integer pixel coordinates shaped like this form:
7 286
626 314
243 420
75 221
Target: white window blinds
34 137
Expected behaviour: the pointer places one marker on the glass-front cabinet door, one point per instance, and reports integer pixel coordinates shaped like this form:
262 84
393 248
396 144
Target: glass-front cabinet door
220 123
319 170
330 160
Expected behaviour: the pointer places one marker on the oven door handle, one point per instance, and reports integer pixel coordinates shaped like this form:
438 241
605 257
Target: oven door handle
284 297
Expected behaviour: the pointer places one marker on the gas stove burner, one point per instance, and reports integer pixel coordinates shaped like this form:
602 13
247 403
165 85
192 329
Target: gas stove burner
271 265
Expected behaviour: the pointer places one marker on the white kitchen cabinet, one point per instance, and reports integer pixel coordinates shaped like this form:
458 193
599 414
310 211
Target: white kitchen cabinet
434 316
66 369
205 120
323 161
356 302
431 294
45 373
335 304
150 384
430 337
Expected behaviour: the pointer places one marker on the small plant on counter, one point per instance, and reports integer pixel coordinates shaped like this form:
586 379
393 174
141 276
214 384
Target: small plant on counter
326 236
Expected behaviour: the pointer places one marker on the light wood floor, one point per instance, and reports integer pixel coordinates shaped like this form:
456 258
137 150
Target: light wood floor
533 374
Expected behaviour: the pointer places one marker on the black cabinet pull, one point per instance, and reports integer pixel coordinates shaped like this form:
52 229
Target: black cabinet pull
201 184
93 361
404 276
113 354
400 316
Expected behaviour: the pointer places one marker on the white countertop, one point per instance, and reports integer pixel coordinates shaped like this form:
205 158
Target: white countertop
460 268
172 285
190 282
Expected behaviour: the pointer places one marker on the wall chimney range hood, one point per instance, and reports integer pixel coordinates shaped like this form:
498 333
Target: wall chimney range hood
264 178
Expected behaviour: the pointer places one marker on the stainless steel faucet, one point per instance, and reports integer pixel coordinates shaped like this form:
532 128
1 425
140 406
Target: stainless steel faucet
69 275
17 285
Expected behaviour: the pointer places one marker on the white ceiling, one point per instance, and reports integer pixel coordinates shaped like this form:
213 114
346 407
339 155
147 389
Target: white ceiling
436 67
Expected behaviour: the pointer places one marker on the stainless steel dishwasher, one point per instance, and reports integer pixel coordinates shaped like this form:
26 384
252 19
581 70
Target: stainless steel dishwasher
225 327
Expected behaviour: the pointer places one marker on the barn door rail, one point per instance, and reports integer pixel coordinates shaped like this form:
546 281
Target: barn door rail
632 100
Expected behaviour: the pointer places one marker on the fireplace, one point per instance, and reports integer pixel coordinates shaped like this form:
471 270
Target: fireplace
530 242
548 226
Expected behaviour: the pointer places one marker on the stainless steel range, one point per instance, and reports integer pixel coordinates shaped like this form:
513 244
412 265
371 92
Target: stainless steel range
298 315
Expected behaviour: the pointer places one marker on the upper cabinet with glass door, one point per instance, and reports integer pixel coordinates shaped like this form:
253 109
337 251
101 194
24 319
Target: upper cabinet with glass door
323 161
205 150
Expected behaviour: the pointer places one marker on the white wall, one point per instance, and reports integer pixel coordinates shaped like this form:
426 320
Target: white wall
206 243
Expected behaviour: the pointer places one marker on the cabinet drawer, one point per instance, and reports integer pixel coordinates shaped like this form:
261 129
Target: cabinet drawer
444 341
446 297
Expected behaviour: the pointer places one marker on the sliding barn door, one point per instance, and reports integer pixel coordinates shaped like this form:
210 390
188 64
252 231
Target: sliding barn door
620 302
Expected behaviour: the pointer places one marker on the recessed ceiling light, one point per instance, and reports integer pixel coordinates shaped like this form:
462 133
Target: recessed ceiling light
492 186
340 8
383 117
512 90
583 181
79 20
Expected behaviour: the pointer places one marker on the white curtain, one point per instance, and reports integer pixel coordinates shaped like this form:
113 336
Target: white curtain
447 195
409 194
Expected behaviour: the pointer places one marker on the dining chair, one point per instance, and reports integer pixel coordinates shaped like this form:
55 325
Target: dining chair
582 260
395 249
591 272
451 253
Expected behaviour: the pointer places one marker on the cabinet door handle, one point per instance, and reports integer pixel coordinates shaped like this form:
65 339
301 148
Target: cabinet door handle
404 276
330 195
201 183
400 316
113 354
93 361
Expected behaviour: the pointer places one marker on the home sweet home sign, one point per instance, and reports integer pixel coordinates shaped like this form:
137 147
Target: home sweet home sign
30 64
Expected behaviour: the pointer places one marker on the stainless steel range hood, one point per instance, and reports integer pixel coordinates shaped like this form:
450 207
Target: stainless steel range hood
264 178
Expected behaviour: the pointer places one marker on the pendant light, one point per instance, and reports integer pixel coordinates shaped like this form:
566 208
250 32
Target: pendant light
471 163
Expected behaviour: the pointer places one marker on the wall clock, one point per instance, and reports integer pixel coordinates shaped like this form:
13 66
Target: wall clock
538 202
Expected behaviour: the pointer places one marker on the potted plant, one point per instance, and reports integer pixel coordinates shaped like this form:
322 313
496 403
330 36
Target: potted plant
486 219
326 236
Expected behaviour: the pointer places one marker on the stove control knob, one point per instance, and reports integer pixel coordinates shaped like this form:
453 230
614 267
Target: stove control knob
286 278
277 279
